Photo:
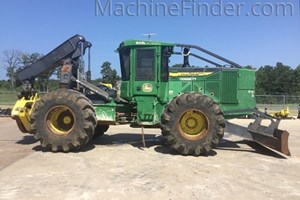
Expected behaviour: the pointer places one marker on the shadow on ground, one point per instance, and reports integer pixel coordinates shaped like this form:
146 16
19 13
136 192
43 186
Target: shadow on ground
152 140
227 145
27 140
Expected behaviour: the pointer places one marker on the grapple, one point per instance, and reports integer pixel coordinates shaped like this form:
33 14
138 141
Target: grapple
269 136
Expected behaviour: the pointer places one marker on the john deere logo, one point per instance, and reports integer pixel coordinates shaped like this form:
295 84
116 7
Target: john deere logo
147 87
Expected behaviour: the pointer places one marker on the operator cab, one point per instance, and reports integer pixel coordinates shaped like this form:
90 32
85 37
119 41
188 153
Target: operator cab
146 73
144 68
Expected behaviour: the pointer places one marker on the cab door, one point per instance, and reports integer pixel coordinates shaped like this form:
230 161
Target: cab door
145 72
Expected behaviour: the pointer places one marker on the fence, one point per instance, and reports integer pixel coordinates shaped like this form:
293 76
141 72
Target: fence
273 103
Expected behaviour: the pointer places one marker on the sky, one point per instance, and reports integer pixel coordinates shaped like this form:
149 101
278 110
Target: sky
247 32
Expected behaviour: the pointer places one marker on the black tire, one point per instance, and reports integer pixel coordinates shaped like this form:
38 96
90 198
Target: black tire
100 130
192 124
63 120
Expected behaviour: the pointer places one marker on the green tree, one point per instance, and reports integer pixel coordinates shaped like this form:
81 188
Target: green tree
275 80
296 81
109 75
262 80
283 80
4 85
249 67
28 59
177 65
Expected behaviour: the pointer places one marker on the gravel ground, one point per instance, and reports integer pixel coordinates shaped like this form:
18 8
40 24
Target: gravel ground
117 166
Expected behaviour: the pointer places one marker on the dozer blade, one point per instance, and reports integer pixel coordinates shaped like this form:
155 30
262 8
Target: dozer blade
269 136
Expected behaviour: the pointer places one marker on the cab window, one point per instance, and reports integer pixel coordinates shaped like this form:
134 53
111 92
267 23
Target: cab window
145 65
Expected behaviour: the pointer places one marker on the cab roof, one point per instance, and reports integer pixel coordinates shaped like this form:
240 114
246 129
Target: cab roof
128 43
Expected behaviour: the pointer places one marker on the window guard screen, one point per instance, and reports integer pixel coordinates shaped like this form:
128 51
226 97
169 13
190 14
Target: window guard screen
145 65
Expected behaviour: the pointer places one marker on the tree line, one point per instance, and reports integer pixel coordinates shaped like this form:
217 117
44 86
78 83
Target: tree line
278 80
270 80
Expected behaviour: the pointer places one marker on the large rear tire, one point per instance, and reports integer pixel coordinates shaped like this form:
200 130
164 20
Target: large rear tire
64 120
192 124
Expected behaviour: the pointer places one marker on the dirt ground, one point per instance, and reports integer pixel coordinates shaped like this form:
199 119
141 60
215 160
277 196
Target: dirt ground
116 166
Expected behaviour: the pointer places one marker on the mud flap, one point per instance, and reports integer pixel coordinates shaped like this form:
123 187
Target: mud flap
269 136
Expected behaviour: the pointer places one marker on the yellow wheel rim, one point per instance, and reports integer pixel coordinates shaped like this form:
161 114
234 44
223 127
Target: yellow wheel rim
60 120
193 125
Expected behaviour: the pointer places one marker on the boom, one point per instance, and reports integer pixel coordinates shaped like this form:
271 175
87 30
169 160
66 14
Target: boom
71 48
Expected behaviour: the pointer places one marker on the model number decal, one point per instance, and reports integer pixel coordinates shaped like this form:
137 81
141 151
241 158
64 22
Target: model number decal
188 79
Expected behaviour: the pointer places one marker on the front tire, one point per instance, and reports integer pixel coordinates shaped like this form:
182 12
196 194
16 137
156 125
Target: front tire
192 124
64 120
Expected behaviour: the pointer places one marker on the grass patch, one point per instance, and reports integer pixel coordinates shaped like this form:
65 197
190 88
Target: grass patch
8 98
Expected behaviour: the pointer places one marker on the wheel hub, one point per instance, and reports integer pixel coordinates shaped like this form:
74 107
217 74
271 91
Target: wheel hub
60 120
193 124
67 120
